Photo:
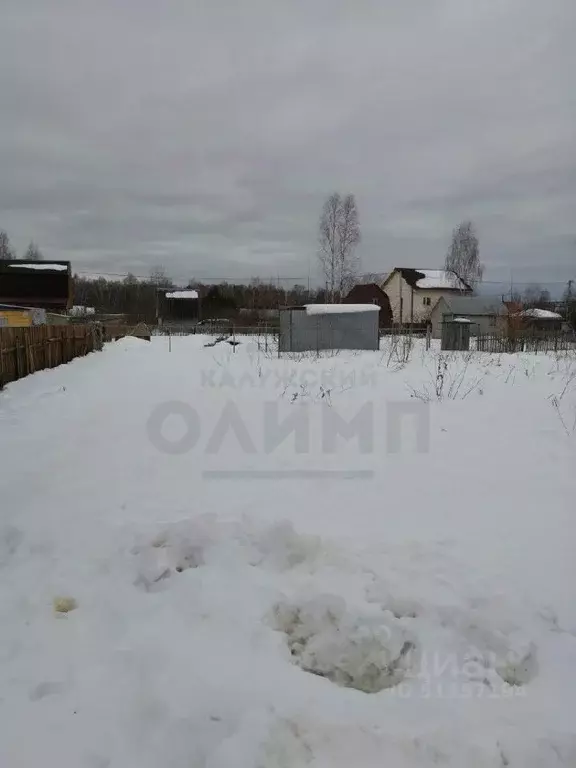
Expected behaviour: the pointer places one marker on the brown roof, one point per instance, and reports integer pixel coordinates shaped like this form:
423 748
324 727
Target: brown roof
439 279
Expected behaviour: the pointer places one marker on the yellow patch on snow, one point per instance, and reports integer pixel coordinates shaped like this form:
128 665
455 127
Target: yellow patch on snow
64 604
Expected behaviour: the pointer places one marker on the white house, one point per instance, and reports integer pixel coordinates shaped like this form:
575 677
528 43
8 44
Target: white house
414 292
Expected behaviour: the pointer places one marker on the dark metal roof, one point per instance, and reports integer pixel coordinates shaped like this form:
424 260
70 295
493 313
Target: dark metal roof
38 284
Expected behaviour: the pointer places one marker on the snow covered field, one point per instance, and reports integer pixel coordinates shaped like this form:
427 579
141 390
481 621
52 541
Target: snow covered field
251 592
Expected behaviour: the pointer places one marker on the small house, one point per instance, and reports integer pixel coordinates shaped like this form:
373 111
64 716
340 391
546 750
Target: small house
371 293
414 292
178 306
541 319
36 284
483 313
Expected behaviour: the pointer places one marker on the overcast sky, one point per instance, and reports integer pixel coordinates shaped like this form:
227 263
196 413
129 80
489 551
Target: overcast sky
205 135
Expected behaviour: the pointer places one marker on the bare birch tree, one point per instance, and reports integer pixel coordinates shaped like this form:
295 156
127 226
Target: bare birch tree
463 257
349 237
33 253
328 242
6 250
339 234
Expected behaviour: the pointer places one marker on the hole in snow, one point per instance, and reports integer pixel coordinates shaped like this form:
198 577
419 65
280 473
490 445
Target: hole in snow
368 653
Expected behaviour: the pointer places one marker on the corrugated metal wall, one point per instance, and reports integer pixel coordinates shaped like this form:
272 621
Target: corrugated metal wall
300 332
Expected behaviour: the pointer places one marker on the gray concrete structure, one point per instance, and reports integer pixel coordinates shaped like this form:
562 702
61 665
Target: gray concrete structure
316 327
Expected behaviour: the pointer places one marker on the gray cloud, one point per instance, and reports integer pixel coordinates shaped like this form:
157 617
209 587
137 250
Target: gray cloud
205 135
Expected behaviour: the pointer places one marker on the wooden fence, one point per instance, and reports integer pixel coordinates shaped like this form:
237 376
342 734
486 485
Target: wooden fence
526 341
214 330
26 350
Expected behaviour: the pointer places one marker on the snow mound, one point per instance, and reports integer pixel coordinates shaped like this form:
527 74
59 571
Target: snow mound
500 649
174 549
482 632
280 547
368 653
206 539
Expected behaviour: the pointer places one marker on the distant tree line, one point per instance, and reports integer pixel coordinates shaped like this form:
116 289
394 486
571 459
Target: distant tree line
138 298
338 236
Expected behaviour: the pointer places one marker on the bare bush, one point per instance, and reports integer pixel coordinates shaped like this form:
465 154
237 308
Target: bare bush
449 379
398 351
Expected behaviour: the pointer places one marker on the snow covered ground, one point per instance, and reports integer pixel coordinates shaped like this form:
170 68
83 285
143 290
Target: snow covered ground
188 580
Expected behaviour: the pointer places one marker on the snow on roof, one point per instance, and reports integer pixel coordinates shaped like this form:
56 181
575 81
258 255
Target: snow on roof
541 314
461 320
188 294
339 309
373 277
50 267
439 278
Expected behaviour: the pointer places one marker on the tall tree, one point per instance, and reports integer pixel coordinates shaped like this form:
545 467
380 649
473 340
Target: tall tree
569 299
159 278
349 237
535 295
339 234
463 257
6 250
33 253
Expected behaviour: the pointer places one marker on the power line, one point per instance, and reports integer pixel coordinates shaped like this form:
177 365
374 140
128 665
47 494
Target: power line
275 278
271 279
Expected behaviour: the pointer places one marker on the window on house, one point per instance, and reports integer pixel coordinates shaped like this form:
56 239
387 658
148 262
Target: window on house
426 301
492 321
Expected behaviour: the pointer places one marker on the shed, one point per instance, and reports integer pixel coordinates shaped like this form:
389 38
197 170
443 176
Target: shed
38 284
482 312
21 317
541 319
24 317
178 306
456 334
371 293
315 327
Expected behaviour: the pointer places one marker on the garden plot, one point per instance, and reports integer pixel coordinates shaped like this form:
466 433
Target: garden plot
212 557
